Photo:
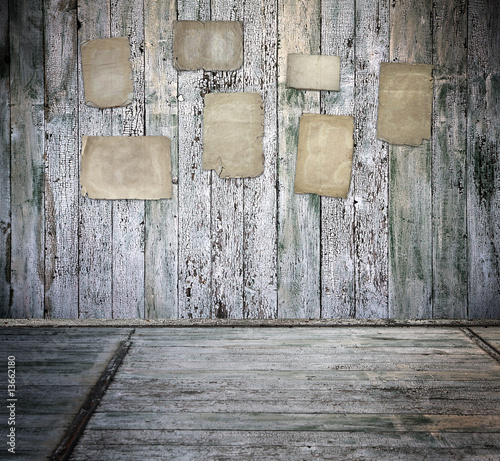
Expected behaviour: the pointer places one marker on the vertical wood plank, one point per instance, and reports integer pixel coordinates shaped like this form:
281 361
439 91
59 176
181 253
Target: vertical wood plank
194 185
260 295
95 236
483 159
298 214
62 160
5 223
371 162
337 214
161 239
127 20
227 199
27 165
410 203
449 144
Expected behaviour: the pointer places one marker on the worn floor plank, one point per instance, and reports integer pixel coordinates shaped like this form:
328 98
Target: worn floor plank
195 267
483 159
490 334
337 214
55 371
370 164
449 147
95 242
298 214
5 218
62 188
226 221
394 393
27 96
161 227
127 20
260 73
410 199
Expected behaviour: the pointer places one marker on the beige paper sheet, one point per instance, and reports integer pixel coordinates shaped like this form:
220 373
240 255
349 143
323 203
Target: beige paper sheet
405 103
107 72
233 128
115 167
313 72
211 45
324 157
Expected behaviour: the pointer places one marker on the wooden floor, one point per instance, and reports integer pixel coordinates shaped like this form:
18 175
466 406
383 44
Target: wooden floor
372 393
55 370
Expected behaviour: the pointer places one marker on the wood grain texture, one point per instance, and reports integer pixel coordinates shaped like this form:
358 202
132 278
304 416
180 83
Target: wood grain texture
298 214
449 147
67 363
185 393
95 230
337 215
260 295
227 198
61 160
371 183
410 197
417 237
5 178
27 165
127 20
161 231
195 272
483 159
289 445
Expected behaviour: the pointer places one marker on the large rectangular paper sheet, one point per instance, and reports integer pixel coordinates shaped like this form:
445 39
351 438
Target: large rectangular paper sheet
233 128
324 157
313 72
211 45
115 167
405 103
107 72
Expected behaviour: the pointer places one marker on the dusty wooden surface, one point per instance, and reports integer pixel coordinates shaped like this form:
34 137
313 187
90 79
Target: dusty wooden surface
483 164
55 370
337 215
410 171
303 393
449 148
5 225
417 237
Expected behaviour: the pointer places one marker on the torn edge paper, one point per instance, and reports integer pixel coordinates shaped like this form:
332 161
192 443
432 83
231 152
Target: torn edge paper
233 128
405 103
313 72
210 45
324 156
135 167
107 72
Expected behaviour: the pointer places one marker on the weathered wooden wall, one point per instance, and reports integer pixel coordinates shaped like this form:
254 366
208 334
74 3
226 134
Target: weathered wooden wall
418 236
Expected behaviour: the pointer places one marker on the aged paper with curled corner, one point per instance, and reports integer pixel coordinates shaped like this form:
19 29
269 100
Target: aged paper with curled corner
132 167
233 128
107 72
210 45
313 72
324 156
405 103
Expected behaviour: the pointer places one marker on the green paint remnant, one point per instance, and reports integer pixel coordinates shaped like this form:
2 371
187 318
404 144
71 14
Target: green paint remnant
38 184
442 96
294 97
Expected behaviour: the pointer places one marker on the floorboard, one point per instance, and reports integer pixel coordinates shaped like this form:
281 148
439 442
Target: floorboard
55 370
299 394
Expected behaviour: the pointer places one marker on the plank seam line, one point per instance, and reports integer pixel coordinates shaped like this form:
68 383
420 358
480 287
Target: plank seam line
482 343
80 421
